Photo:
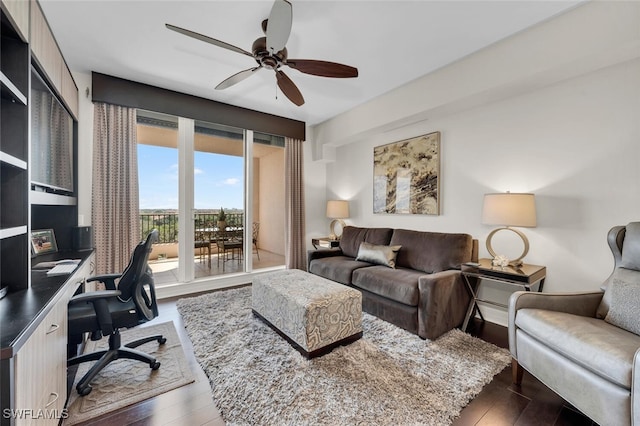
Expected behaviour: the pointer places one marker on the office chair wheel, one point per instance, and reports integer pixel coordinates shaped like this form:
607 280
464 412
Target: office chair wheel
155 365
84 390
162 340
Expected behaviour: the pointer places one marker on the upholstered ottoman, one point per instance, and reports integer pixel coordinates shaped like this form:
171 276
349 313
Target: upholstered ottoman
314 314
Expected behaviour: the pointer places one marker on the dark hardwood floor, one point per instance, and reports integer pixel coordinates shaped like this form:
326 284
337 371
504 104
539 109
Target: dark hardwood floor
499 403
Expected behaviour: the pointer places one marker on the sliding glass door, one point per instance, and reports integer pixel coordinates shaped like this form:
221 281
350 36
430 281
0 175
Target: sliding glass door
219 198
220 191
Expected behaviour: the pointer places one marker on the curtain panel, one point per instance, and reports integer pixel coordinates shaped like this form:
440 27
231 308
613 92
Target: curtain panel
295 247
115 211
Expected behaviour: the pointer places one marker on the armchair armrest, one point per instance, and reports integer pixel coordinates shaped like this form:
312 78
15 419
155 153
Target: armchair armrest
583 304
635 390
109 280
443 303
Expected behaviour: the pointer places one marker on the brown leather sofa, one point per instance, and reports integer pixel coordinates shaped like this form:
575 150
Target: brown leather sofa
586 346
424 293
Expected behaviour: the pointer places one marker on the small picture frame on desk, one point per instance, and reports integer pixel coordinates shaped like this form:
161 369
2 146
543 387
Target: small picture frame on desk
43 241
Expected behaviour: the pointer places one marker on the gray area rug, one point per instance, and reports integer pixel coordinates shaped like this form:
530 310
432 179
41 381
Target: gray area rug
388 377
125 382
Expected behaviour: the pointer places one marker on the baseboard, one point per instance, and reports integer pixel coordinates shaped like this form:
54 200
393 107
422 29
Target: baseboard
209 284
494 315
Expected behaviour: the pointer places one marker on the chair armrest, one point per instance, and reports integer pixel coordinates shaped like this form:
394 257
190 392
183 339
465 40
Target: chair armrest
583 304
94 295
109 280
443 303
100 305
319 254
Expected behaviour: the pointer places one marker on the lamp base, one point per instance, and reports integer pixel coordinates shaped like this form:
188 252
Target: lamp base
332 228
515 262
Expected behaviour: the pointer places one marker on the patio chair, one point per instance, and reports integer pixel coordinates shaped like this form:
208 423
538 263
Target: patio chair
254 237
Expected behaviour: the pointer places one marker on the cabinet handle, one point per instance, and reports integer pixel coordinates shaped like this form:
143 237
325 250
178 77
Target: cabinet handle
53 328
55 398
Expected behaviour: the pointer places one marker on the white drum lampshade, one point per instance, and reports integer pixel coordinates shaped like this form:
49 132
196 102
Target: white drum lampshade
509 209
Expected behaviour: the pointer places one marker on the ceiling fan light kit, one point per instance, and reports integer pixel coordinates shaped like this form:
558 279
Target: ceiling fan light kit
270 53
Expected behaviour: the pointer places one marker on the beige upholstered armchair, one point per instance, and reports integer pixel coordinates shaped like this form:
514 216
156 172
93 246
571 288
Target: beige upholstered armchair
586 346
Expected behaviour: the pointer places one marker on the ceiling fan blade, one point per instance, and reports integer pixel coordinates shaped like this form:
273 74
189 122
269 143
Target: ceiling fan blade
279 26
289 88
323 68
236 78
208 39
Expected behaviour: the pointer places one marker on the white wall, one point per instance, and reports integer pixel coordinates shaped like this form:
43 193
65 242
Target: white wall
575 145
573 140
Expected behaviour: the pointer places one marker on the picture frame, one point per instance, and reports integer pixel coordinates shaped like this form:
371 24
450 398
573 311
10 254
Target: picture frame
43 241
406 176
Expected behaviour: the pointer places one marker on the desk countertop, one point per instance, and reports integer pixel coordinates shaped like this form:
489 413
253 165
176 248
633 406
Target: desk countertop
21 311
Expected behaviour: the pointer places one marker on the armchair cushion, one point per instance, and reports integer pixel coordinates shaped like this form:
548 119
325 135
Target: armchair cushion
596 345
631 247
622 276
624 299
378 254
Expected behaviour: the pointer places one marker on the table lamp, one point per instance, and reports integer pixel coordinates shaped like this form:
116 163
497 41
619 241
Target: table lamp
337 210
509 209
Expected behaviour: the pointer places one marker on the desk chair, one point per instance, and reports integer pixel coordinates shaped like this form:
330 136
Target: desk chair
103 313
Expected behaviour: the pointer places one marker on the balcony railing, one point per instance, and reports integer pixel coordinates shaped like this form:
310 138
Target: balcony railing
167 223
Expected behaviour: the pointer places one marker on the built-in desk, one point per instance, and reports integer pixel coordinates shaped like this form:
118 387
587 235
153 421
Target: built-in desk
33 339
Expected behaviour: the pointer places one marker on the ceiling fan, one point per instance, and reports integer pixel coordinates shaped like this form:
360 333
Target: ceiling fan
270 52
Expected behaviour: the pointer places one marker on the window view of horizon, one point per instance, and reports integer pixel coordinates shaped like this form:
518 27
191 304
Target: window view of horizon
218 180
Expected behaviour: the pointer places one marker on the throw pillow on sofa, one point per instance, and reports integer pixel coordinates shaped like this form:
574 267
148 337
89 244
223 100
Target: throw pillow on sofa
379 255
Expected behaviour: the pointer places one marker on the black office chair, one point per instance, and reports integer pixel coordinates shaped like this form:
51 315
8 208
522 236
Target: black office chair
103 313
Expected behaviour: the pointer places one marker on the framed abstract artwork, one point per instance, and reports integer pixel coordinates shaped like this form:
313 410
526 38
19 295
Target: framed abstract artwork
406 176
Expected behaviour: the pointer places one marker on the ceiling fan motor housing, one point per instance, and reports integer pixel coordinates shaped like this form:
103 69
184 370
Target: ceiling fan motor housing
264 57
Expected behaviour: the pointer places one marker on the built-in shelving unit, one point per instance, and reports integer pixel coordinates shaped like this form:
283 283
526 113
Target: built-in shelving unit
14 154
33 311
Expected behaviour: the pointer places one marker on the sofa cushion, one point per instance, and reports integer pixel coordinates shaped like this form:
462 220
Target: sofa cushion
336 268
596 345
379 255
352 236
624 305
432 251
399 284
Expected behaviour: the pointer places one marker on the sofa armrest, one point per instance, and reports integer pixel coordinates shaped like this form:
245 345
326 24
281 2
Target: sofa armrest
583 304
319 254
443 303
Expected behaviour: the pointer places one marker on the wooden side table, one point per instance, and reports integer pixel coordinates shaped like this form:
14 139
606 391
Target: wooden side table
324 242
525 277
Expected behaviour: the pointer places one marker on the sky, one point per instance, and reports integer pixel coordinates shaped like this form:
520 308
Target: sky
218 179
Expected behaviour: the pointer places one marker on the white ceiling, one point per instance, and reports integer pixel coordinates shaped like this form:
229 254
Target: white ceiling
390 42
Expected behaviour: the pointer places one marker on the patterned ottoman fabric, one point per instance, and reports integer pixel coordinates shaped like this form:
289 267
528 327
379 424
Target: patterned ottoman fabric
311 311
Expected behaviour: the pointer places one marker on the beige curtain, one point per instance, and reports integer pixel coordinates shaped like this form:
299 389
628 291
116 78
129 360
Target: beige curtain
295 247
115 211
